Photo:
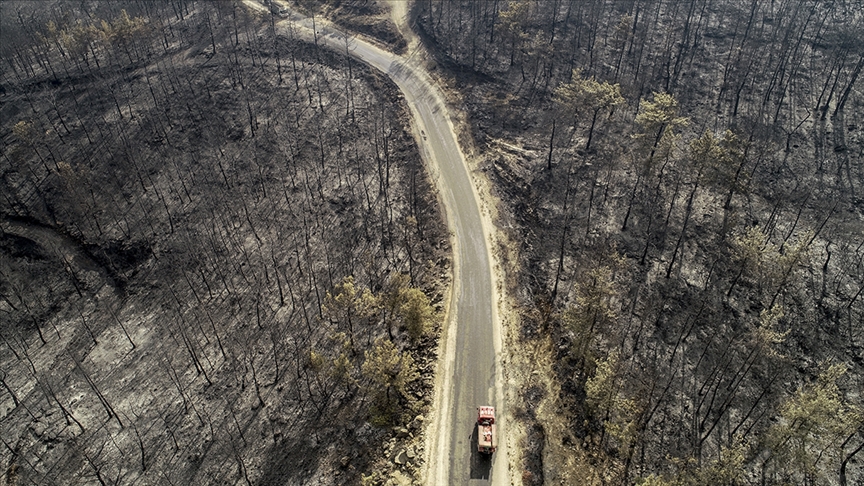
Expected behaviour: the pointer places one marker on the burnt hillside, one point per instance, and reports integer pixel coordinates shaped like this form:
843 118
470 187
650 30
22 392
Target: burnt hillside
683 183
220 254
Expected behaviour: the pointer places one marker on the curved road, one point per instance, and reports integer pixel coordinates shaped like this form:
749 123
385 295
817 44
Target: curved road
468 375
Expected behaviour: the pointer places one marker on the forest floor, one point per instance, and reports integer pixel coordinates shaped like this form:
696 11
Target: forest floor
194 305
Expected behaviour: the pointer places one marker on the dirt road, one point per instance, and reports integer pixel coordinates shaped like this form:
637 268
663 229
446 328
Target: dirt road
469 372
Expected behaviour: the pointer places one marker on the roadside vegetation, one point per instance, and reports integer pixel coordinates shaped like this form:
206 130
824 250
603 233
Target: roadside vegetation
221 259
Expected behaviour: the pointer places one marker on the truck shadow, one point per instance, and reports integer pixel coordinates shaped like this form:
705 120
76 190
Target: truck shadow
481 464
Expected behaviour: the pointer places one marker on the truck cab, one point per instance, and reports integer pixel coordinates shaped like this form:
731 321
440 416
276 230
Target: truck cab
487 436
279 10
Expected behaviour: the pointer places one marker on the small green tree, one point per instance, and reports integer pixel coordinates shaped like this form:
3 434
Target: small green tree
718 161
417 314
654 480
393 297
389 372
706 153
757 257
27 134
317 362
342 369
762 260
765 335
513 20
727 469
24 131
659 121
348 305
592 308
810 428
123 31
600 388
604 399
83 37
588 97
657 141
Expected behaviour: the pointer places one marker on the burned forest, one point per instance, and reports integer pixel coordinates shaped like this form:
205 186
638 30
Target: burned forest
221 257
680 185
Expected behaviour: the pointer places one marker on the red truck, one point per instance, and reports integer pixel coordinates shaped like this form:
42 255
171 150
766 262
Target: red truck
487 436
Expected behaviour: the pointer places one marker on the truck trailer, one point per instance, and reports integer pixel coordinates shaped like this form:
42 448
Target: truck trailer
487 436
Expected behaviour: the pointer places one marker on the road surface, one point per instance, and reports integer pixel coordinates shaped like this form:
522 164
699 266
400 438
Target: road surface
468 373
